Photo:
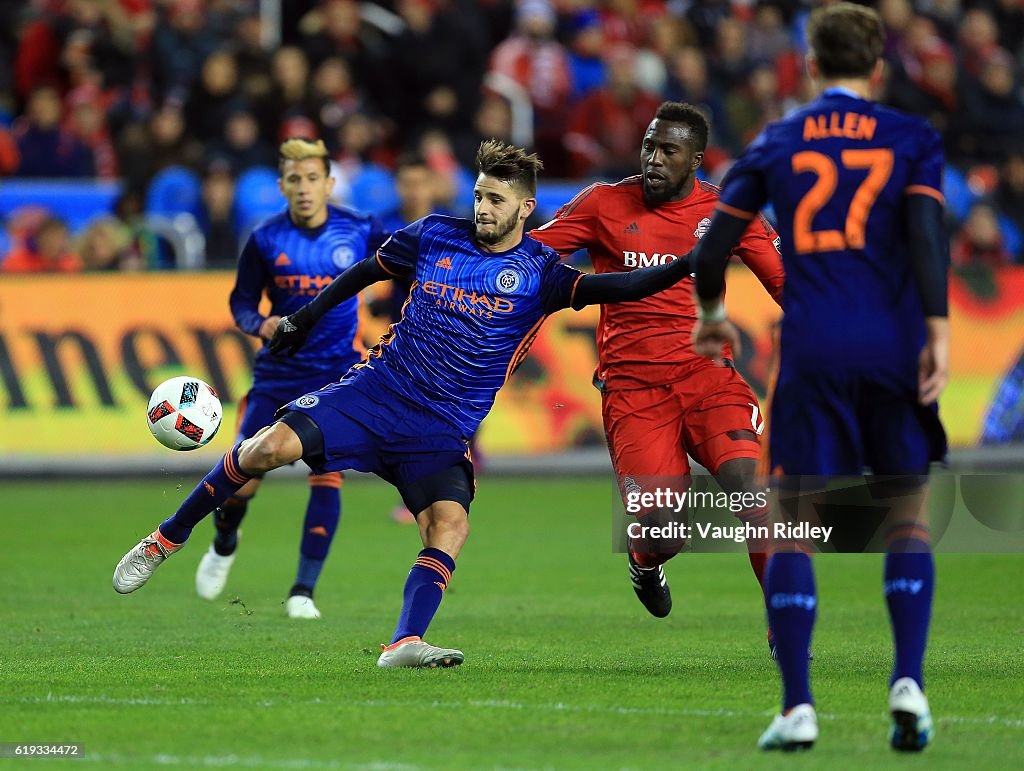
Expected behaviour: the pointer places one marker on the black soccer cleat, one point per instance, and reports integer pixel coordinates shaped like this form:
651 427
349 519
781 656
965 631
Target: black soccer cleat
651 588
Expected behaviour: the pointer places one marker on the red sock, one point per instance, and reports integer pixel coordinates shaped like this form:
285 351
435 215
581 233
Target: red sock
758 561
758 553
651 559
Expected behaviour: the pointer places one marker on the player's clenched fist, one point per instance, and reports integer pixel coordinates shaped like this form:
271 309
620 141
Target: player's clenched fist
289 336
710 336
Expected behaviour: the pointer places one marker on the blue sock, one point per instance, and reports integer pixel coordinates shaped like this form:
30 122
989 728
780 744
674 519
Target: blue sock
217 486
424 589
227 518
791 601
323 512
909 584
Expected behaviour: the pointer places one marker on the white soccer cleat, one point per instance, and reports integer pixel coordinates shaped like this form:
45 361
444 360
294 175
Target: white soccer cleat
138 565
796 731
413 652
911 719
300 606
212 574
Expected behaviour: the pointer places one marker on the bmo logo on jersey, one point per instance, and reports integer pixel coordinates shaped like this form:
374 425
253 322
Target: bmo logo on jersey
643 260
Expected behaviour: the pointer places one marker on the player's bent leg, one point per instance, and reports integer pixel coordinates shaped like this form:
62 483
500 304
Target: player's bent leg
269 448
734 460
272 447
139 564
444 527
643 431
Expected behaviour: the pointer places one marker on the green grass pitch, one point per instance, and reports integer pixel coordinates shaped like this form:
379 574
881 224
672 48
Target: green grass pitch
564 668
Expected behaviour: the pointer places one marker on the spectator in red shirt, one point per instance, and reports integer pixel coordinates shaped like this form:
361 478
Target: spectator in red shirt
540 64
605 128
48 250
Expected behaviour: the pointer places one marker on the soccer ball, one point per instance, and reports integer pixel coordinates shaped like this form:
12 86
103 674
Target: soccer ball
184 413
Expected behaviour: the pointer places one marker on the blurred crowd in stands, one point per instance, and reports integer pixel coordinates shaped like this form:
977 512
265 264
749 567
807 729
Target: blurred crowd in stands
180 104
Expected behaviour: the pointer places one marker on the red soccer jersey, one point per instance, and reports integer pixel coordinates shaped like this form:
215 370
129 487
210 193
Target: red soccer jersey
647 343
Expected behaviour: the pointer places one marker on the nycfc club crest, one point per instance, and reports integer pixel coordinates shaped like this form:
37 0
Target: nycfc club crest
702 227
343 256
507 281
307 401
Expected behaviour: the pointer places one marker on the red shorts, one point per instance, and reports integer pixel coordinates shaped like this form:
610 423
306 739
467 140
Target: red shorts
712 416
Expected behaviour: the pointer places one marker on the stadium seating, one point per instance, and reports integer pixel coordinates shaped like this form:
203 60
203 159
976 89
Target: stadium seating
76 201
257 197
175 190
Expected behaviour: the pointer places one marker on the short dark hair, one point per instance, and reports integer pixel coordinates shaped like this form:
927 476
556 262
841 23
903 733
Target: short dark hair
681 112
410 159
510 164
846 39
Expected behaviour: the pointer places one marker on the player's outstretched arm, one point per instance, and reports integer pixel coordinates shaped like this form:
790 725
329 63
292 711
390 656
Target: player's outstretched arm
293 330
929 256
711 256
593 288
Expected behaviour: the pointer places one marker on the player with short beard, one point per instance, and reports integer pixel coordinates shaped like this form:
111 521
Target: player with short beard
660 401
406 412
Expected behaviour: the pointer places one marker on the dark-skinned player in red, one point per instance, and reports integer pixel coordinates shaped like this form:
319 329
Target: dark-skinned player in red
660 401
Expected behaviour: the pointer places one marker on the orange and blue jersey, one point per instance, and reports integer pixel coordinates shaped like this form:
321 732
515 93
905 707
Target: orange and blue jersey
840 172
292 264
469 320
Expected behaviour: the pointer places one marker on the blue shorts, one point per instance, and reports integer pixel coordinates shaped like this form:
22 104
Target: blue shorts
828 423
258 407
368 427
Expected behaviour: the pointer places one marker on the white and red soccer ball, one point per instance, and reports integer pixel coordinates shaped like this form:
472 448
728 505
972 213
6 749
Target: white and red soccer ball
184 413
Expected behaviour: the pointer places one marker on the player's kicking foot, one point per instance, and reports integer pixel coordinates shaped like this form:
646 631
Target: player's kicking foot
138 565
796 730
212 574
651 588
911 719
413 652
301 606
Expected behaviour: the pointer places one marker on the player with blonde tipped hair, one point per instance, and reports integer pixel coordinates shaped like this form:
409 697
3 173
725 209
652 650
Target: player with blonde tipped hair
291 257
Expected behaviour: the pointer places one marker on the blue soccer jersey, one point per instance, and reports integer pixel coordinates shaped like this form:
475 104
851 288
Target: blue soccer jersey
838 172
292 265
470 318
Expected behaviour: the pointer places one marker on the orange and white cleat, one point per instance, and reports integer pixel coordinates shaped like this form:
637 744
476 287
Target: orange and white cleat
138 565
413 652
